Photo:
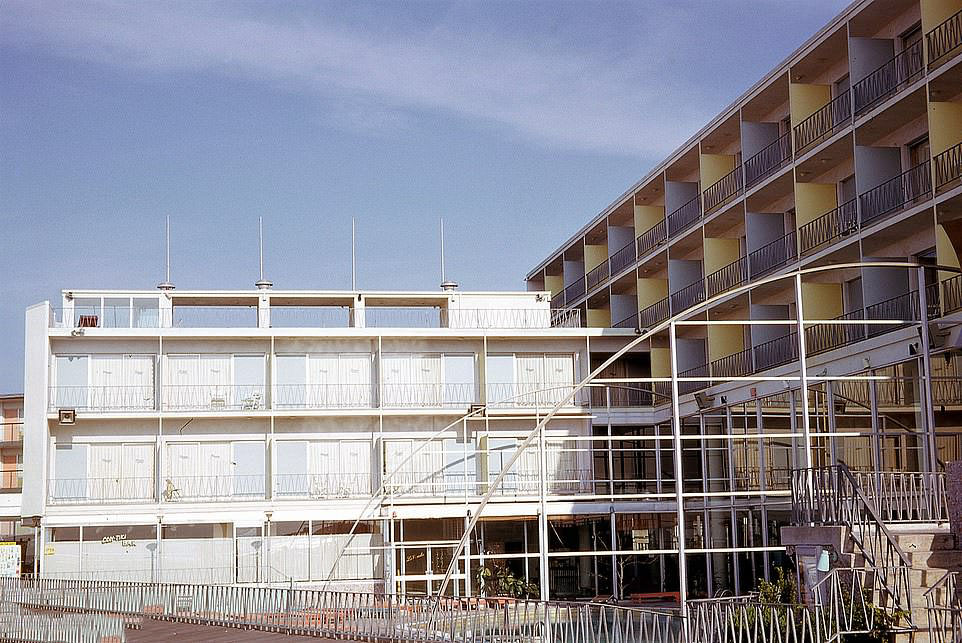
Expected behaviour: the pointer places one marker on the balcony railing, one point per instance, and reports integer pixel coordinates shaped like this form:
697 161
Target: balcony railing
768 160
558 300
67 491
903 307
906 67
952 294
213 317
906 497
693 293
228 487
11 478
213 397
826 120
574 291
511 318
684 217
724 189
895 194
734 274
735 365
323 396
11 432
631 321
436 395
654 314
102 398
543 394
840 222
820 338
622 395
312 317
651 238
696 385
776 352
772 255
597 275
944 39
622 258
948 166
354 484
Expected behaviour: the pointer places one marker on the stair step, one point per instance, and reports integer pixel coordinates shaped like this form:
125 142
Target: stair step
950 560
929 540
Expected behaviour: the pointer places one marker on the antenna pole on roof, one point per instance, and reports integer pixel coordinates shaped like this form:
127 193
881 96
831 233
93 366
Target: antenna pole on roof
445 284
166 284
353 257
262 284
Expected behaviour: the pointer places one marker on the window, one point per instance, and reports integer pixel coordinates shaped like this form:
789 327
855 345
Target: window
214 381
529 379
70 472
71 381
323 380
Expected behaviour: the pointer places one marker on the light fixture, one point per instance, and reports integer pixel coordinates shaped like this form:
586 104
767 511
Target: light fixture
67 416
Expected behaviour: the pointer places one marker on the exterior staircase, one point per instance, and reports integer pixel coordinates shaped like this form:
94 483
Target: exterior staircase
933 552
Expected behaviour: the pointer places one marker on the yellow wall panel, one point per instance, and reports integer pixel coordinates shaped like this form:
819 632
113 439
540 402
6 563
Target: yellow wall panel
719 253
945 126
595 255
804 100
651 291
598 318
935 12
945 251
715 166
554 283
812 200
821 301
647 216
725 340
660 362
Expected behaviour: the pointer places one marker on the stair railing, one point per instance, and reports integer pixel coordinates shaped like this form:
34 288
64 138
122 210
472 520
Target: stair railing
943 603
832 496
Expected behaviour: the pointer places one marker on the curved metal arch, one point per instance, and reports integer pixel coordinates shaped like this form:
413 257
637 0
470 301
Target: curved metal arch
644 336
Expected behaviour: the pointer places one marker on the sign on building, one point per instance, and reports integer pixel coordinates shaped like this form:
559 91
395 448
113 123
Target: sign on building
9 559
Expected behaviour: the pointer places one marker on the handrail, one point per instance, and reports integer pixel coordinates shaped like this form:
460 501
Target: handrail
828 227
893 195
734 274
651 238
623 258
832 496
724 188
823 122
944 38
905 67
683 217
768 159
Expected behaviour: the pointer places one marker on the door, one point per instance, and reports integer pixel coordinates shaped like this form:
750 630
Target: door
248 469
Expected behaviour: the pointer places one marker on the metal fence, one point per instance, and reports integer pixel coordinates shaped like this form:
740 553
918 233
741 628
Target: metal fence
353 615
19 624
943 603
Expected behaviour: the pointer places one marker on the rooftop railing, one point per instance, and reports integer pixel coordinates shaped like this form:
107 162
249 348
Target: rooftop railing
623 258
948 167
824 122
895 194
724 189
835 224
684 217
944 39
772 255
904 68
771 158
651 238
312 316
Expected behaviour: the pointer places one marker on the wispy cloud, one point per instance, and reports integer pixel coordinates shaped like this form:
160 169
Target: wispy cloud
576 98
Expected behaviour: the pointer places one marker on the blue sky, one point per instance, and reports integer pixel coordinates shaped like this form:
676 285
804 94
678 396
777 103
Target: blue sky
515 121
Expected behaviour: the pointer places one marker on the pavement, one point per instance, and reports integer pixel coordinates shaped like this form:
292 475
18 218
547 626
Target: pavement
152 630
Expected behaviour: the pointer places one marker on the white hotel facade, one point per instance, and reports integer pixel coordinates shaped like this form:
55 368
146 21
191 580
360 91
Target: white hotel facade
236 436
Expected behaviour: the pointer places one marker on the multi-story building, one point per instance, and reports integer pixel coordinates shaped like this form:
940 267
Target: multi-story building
846 154
236 437
11 466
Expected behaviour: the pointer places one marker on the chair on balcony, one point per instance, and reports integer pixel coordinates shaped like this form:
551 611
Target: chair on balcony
252 403
170 492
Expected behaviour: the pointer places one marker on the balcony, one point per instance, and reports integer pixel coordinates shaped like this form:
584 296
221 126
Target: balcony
323 396
732 275
651 238
944 39
11 479
772 255
623 258
74 491
895 194
952 294
528 395
574 291
776 352
436 395
905 68
102 399
826 120
213 397
597 275
948 167
902 307
622 395
654 314
320 486
820 338
824 230
684 217
693 293
11 432
768 160
218 487
735 365
724 189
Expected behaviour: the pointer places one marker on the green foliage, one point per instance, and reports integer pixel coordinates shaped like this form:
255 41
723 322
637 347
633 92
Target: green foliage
496 579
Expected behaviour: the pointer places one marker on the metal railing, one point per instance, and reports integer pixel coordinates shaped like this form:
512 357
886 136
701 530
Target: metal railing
654 314
541 394
400 317
212 317
820 338
824 122
631 321
945 38
436 395
745 619
684 217
354 484
768 160
832 496
904 307
952 294
772 255
213 397
693 293
353 615
895 194
597 275
906 497
775 352
574 290
651 238
837 223
735 365
948 166
21 624
943 603
11 432
323 396
11 478
72 491
623 258
723 189
312 316
905 67
102 398
734 274
228 486
694 385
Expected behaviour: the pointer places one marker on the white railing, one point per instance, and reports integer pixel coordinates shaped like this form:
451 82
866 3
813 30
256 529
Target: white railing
102 398
323 396
322 485
65 491
213 397
222 487
545 394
